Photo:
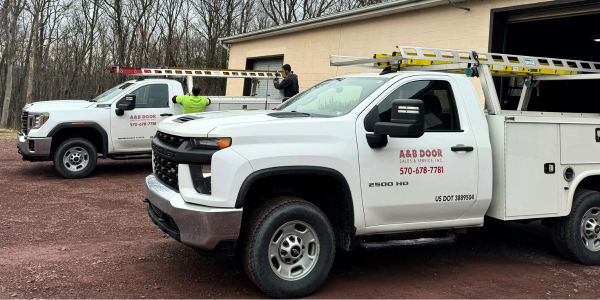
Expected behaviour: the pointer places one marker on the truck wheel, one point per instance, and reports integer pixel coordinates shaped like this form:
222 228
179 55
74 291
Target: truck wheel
75 158
577 236
289 247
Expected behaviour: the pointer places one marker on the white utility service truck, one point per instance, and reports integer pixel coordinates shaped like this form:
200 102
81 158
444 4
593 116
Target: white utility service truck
72 133
359 160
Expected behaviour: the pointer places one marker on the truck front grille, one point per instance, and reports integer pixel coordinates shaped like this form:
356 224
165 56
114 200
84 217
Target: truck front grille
167 171
171 139
24 119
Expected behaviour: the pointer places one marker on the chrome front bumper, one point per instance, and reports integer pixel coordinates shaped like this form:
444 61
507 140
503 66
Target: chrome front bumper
200 227
34 148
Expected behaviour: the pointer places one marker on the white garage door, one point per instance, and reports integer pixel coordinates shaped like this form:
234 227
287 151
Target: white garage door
270 64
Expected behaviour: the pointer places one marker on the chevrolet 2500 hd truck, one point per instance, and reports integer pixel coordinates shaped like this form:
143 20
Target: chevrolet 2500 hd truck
72 133
357 159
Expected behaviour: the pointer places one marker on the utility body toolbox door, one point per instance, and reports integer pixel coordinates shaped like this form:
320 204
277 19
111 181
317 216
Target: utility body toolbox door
532 187
420 179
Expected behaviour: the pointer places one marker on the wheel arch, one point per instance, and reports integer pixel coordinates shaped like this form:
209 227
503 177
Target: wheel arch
342 219
586 180
63 130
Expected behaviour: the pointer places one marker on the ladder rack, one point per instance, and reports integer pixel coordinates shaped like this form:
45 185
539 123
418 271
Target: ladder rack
434 59
184 72
190 73
482 65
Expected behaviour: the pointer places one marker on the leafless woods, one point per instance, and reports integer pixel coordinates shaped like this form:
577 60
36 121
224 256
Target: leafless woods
61 49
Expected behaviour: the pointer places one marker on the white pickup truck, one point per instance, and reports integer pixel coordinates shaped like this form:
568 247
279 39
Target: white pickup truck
72 133
357 159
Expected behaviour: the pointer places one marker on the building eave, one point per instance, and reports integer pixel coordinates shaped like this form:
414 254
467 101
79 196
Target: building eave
368 12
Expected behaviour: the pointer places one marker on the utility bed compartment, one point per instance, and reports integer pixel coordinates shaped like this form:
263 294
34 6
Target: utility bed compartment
530 154
219 103
580 144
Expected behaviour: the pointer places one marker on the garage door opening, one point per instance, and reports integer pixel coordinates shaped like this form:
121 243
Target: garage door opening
265 87
571 32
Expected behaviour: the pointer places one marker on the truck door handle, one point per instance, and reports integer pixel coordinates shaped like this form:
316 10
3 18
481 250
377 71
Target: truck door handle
462 148
166 115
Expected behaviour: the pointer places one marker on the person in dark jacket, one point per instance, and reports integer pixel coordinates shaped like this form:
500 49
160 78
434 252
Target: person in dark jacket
289 85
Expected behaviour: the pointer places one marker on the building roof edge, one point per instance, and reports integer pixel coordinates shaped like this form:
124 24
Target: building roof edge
367 12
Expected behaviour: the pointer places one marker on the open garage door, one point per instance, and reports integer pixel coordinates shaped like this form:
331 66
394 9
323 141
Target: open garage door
266 86
556 29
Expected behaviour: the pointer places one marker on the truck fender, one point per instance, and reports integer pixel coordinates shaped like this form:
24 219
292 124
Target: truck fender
239 203
346 227
94 125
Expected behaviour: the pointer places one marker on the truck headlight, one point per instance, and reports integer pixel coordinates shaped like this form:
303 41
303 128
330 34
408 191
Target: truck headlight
38 119
210 143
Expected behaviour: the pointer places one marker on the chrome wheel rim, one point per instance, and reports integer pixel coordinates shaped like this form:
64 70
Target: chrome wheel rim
294 250
590 229
76 159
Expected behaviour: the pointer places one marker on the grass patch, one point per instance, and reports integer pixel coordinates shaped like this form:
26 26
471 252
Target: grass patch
6 134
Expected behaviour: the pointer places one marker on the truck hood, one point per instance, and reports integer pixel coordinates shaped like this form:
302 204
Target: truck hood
202 123
54 105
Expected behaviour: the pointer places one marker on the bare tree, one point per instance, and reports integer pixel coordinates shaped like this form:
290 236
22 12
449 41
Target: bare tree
287 11
15 8
170 15
36 8
61 49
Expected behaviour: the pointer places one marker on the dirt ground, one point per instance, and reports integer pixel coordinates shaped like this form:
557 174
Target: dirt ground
92 238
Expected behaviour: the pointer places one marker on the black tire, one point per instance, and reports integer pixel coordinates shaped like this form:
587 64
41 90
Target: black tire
75 171
262 227
566 231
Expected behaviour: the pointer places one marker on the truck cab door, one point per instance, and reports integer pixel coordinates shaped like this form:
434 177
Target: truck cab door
133 131
424 179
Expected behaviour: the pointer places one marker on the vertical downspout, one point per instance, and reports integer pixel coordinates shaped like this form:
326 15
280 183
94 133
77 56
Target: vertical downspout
227 48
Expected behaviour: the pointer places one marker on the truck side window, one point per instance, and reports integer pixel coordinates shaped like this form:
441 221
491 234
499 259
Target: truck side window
440 105
152 96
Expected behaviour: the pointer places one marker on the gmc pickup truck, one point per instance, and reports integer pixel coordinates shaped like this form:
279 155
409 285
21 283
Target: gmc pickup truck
72 133
358 160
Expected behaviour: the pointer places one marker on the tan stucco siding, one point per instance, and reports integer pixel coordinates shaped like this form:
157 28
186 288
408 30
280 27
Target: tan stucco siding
308 51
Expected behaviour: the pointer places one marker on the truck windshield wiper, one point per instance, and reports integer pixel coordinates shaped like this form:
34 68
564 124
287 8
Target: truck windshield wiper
302 113
312 114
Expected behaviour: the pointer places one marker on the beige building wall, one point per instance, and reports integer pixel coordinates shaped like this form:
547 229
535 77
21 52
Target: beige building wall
308 51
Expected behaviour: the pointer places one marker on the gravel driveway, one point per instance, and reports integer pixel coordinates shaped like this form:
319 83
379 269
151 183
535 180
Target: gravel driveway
92 238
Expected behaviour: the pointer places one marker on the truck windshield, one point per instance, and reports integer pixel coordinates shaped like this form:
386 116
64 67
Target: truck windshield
333 97
110 94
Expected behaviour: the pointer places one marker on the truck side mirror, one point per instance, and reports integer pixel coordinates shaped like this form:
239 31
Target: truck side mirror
127 103
374 140
407 120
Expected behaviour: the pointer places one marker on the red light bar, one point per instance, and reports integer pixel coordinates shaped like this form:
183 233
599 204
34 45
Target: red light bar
125 70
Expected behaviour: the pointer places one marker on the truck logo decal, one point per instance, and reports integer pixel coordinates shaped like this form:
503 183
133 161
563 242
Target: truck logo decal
162 151
420 153
142 120
421 156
